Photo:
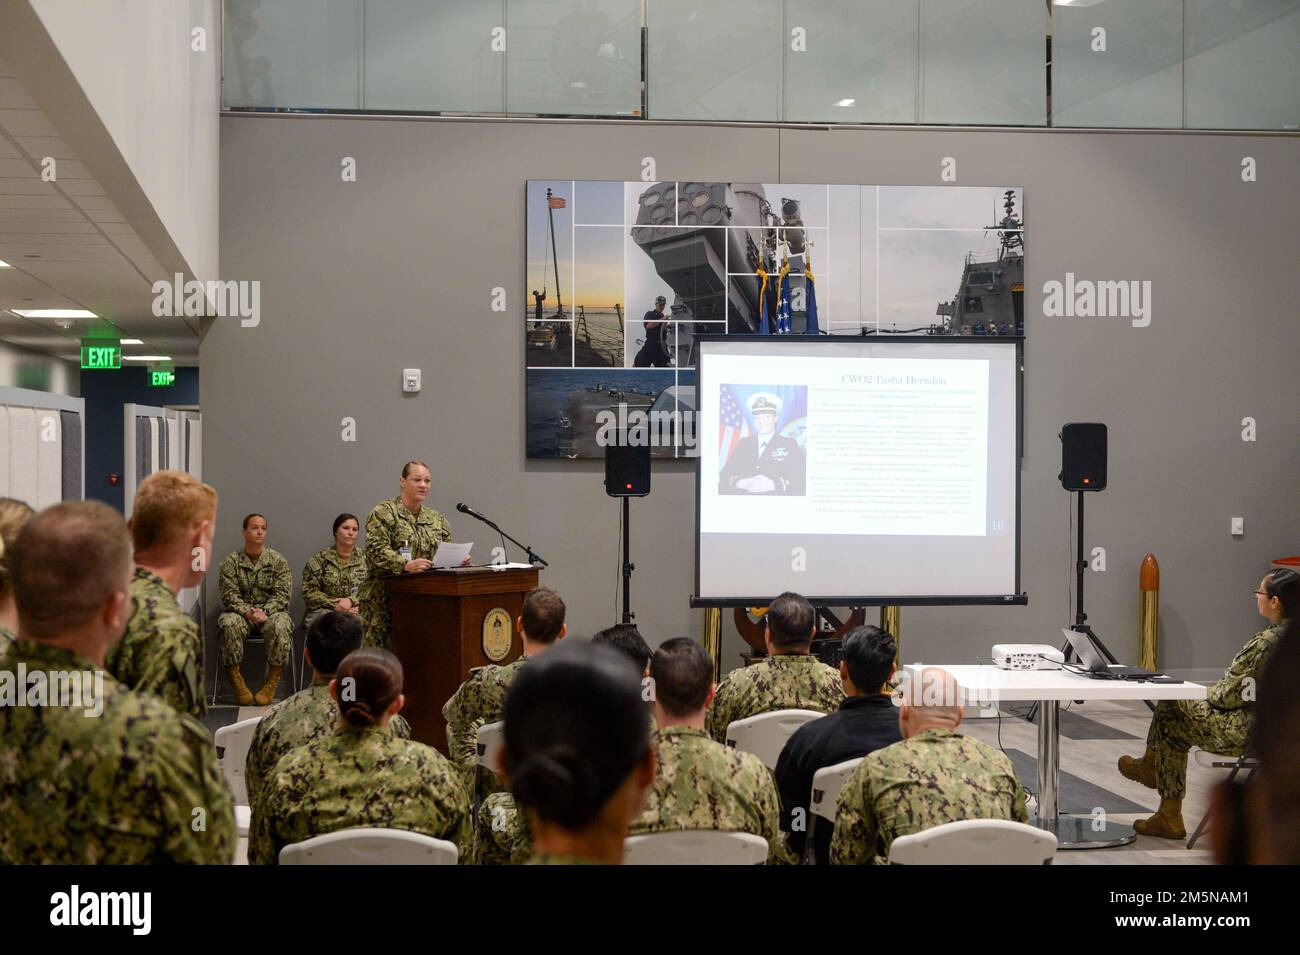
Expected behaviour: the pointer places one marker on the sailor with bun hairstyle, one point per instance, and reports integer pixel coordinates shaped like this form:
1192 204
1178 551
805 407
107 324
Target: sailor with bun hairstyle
361 774
576 753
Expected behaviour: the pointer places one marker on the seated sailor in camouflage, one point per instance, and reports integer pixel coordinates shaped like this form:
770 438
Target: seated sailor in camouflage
333 577
256 586
789 677
934 776
14 515
172 521
402 535
501 831
96 773
1221 723
1259 824
311 713
699 783
576 753
481 698
361 774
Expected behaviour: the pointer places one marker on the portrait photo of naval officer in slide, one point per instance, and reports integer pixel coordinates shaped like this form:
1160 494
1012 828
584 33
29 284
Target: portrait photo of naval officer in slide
762 460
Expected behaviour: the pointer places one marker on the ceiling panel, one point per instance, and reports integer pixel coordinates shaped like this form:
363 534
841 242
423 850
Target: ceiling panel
70 246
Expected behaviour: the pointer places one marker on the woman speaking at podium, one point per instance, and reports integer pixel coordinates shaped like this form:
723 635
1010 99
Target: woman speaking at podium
402 535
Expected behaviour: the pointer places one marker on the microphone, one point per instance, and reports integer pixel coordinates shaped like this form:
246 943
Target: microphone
466 509
533 556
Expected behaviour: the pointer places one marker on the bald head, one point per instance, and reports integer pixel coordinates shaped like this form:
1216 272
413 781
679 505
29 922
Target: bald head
71 572
931 700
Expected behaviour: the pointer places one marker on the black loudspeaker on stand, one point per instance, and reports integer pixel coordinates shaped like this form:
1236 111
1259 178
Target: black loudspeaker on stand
627 475
1083 469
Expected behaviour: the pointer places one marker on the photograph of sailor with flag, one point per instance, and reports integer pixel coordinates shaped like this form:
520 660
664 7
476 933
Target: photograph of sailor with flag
761 431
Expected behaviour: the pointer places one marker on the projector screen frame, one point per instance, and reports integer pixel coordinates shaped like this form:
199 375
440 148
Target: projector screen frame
1019 598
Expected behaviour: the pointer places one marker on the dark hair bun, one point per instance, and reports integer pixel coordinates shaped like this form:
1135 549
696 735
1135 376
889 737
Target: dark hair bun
357 713
557 783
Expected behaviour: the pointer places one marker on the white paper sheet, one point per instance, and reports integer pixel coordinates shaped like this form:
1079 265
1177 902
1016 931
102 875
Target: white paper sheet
450 554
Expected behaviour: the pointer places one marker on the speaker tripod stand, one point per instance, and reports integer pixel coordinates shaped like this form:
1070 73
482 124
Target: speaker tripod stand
1080 624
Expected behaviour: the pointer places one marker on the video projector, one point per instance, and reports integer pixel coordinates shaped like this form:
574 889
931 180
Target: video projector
1027 656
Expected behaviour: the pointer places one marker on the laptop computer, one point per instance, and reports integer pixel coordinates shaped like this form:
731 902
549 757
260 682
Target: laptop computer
1096 664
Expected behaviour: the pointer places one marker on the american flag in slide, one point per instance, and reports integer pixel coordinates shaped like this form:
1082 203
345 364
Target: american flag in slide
732 425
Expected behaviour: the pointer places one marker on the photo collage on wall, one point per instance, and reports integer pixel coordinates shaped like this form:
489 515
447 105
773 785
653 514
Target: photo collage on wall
622 276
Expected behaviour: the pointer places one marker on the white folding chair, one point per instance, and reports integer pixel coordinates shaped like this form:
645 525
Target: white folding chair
976 842
233 742
243 821
695 847
370 846
765 735
1234 764
491 737
826 786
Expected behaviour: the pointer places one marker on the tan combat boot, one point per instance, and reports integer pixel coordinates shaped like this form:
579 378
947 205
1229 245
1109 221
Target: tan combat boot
243 695
1139 770
1167 823
266 694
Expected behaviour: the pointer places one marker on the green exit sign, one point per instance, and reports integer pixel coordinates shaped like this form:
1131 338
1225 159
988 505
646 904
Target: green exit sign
161 379
101 356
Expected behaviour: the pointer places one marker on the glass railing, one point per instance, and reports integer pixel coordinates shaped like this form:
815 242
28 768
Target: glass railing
1167 64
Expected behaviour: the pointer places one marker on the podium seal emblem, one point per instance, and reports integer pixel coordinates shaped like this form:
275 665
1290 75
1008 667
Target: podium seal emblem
496 634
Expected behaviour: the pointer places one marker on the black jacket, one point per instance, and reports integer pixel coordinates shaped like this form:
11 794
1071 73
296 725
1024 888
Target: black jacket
862 725
782 461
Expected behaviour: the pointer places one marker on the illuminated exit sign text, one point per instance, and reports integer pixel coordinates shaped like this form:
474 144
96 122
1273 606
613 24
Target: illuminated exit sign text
101 356
161 379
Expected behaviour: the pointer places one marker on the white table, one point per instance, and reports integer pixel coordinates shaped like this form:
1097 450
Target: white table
989 685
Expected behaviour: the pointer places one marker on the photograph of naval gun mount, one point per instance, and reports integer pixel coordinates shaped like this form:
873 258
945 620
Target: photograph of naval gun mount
621 277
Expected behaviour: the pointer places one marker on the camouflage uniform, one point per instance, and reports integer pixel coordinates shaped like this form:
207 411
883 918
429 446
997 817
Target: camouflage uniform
389 526
935 777
701 784
1220 723
161 652
301 718
358 777
788 681
267 584
501 836
125 787
326 578
478 701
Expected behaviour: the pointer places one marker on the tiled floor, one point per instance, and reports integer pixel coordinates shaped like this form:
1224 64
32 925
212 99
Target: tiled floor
1089 777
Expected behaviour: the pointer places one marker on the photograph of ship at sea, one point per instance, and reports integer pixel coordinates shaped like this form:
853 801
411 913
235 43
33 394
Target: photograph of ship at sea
574 311
563 405
593 339
622 276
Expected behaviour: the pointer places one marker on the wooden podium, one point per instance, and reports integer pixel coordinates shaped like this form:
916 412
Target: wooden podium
438 634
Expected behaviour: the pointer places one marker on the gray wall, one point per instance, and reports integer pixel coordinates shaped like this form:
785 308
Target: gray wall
395 270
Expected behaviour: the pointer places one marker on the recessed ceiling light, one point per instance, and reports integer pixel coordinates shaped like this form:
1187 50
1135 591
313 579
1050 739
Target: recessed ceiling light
846 102
130 341
146 358
53 313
